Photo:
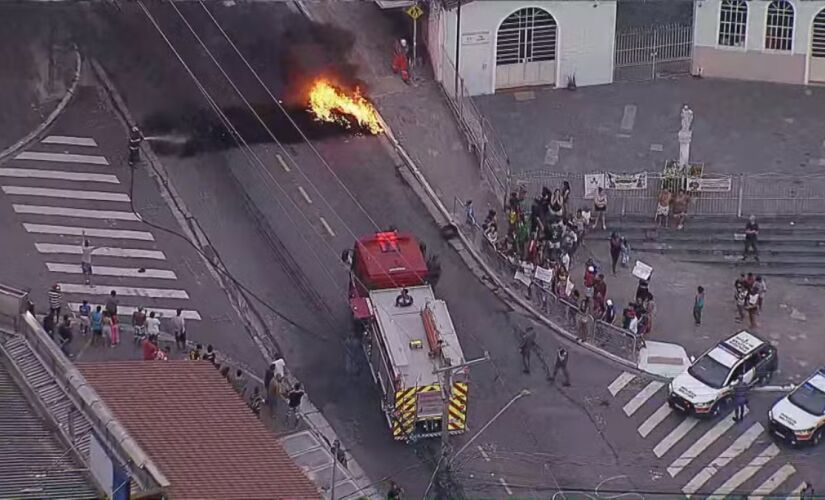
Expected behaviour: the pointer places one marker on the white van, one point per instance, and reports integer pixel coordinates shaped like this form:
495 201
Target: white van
799 417
707 385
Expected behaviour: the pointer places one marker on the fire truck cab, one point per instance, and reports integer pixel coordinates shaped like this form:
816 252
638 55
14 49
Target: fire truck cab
406 334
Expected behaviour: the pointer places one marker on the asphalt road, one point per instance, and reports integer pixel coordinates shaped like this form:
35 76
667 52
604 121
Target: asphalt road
266 222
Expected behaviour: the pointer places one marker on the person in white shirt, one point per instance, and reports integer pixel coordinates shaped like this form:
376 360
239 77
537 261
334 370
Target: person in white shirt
152 325
179 330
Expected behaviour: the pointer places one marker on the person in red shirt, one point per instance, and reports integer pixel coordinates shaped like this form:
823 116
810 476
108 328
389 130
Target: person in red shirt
150 350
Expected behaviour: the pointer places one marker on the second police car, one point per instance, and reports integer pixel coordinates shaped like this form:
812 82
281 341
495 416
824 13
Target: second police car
707 385
799 417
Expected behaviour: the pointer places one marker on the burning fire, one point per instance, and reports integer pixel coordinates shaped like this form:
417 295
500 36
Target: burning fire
330 104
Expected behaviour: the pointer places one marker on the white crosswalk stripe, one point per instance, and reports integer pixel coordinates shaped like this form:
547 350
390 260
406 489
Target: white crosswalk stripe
70 141
128 310
675 436
125 291
120 234
59 175
641 397
742 443
621 381
120 272
746 472
74 212
797 492
136 253
701 445
654 420
71 194
62 157
769 486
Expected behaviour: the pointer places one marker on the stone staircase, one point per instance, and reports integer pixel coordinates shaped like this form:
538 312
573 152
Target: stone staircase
789 247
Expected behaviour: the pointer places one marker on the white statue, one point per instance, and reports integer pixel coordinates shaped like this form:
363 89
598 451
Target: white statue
687 118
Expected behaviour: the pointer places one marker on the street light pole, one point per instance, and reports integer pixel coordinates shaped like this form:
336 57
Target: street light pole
446 373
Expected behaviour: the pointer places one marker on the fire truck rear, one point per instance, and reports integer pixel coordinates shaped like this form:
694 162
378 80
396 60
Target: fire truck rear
406 338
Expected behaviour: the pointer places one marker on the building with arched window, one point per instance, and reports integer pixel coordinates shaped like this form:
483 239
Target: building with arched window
503 44
769 40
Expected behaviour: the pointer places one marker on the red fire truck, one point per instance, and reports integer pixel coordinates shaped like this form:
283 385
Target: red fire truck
407 334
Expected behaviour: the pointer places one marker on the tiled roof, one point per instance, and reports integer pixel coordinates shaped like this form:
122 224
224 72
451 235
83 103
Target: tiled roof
34 463
197 430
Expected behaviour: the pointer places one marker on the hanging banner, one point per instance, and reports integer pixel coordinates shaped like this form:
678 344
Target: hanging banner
592 183
718 184
626 181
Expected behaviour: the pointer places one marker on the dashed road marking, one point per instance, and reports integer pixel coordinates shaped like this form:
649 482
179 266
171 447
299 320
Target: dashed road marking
282 162
483 453
121 234
124 291
742 443
62 157
305 195
641 397
135 253
621 381
327 227
773 482
60 175
652 421
120 272
70 141
72 194
506 486
628 118
657 148
746 472
675 436
74 212
123 310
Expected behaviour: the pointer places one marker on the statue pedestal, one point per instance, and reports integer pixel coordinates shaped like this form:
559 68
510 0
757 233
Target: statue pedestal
684 147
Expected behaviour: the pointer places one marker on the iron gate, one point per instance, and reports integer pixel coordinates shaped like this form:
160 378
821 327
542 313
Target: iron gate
650 52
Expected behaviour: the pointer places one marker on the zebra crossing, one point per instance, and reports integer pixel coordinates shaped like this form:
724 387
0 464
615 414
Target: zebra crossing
64 189
690 446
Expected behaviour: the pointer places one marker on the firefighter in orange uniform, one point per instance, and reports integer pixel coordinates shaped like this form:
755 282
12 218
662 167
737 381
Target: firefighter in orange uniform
400 59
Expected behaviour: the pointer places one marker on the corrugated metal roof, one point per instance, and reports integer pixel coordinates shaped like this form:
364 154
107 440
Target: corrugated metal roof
198 431
34 463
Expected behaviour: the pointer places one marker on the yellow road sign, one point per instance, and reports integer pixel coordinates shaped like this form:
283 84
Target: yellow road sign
414 11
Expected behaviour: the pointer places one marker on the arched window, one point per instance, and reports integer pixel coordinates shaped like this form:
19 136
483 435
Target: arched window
779 28
527 35
818 36
733 23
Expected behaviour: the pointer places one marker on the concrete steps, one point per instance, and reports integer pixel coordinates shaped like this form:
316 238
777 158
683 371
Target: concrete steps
788 247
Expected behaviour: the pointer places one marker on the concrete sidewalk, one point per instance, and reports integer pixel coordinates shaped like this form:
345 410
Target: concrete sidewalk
423 123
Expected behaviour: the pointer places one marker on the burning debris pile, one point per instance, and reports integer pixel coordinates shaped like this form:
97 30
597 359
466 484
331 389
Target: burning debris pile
329 103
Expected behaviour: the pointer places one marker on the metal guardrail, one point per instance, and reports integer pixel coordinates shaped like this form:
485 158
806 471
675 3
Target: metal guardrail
615 340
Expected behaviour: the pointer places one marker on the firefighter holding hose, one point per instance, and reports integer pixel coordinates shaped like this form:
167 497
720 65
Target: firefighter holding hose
135 138
401 59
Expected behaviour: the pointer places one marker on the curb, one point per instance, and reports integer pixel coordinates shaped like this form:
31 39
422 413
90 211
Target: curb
315 420
64 101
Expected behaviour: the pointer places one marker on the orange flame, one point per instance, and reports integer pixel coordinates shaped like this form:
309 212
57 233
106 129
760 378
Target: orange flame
330 104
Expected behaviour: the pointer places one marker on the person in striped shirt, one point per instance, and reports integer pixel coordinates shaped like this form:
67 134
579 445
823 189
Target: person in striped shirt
55 300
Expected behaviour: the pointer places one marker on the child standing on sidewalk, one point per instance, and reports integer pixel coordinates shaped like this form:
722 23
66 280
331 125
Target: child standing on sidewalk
698 305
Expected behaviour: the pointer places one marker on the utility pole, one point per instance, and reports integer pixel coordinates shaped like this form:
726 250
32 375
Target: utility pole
446 373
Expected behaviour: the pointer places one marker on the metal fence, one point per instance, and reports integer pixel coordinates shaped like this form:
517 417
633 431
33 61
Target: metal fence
649 52
493 160
768 194
615 340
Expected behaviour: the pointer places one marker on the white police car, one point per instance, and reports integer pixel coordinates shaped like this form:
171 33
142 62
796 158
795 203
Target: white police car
799 417
707 385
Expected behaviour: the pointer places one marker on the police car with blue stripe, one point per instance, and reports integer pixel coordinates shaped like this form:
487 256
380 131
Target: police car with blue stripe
707 385
799 417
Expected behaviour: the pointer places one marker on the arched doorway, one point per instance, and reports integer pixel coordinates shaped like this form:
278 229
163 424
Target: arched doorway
526 49
816 67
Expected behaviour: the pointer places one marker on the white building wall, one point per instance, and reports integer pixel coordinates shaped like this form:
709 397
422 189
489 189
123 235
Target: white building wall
585 40
753 62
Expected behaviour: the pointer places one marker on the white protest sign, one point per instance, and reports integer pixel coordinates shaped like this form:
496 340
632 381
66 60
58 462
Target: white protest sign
592 183
642 270
545 275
